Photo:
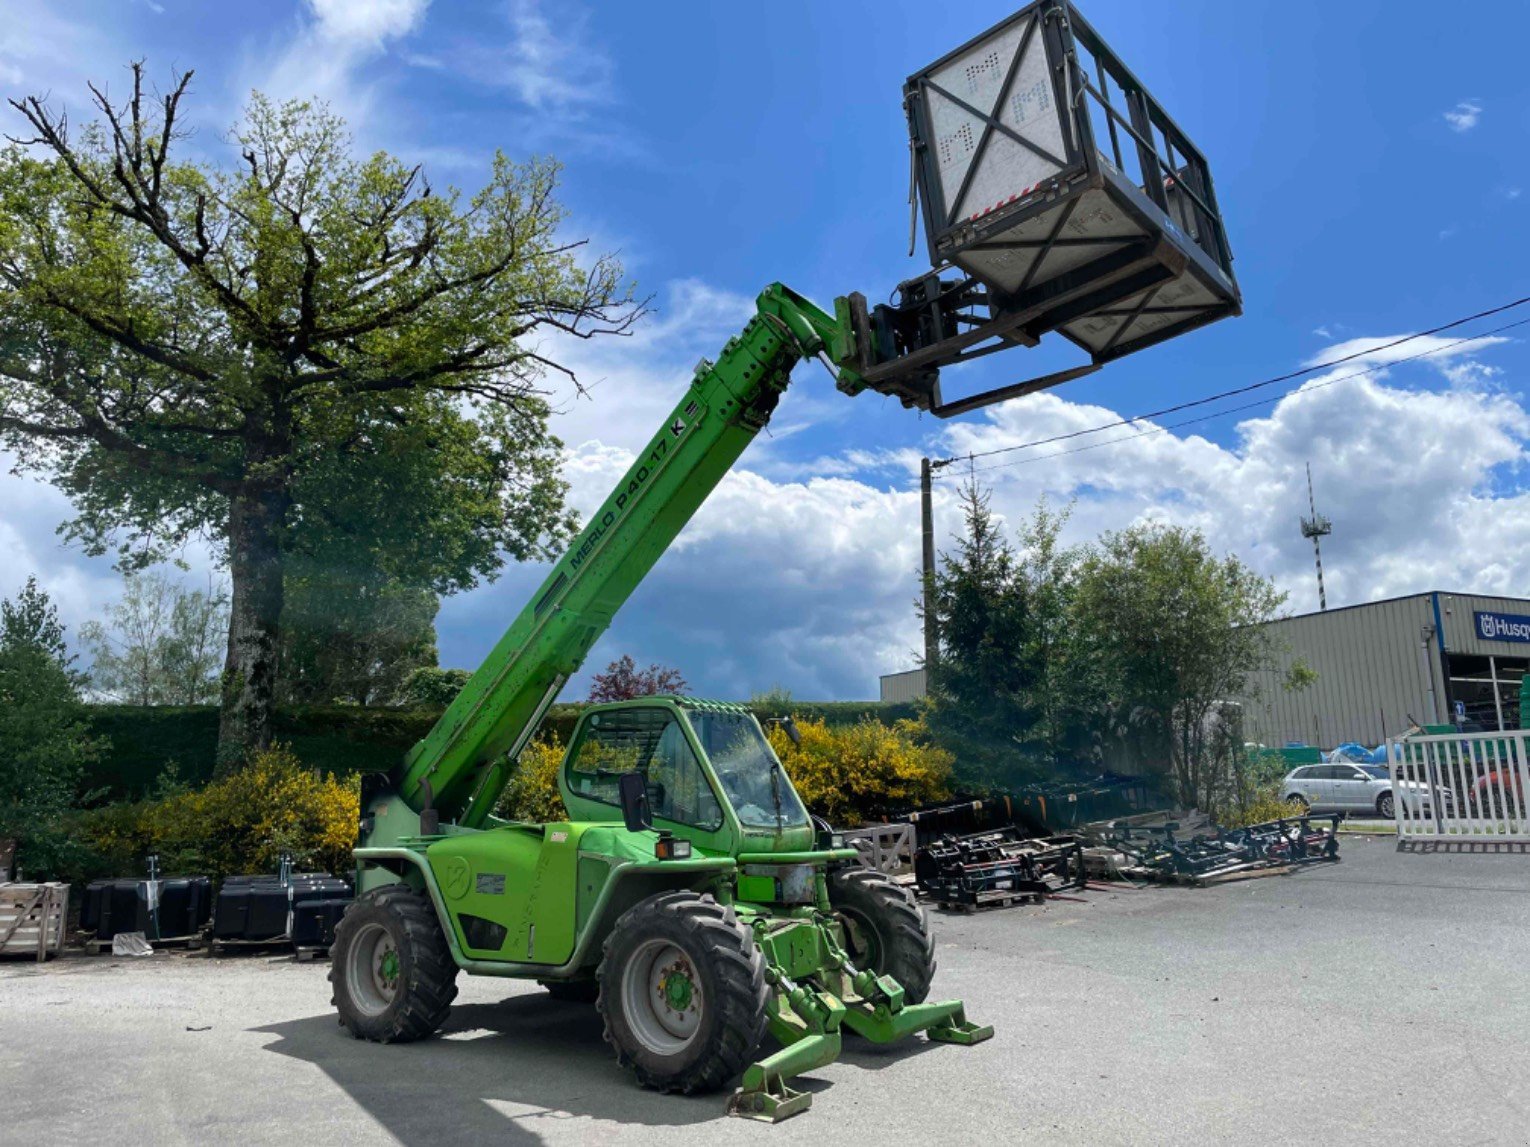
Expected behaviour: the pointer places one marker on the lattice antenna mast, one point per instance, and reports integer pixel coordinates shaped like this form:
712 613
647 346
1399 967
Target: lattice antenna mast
1315 527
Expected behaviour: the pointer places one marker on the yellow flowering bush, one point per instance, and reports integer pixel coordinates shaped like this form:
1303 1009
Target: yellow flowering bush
532 794
242 823
849 774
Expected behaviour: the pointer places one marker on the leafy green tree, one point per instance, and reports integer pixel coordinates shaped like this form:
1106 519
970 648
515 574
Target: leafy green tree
355 641
44 743
299 354
31 621
982 687
1174 633
1065 686
432 687
164 644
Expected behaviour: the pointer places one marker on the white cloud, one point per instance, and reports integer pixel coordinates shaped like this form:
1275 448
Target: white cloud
333 41
366 23
1464 116
1435 349
551 66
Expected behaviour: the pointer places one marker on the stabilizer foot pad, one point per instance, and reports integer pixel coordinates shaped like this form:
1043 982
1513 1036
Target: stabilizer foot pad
962 1032
772 1106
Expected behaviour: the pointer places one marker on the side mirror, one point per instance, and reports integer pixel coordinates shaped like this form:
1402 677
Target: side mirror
787 726
636 812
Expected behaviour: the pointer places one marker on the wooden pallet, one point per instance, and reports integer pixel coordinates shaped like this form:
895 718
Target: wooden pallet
97 947
32 919
1001 899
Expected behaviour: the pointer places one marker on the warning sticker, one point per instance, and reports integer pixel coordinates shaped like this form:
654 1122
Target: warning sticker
491 883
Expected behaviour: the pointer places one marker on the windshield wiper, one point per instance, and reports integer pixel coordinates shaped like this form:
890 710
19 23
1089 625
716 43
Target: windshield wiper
775 791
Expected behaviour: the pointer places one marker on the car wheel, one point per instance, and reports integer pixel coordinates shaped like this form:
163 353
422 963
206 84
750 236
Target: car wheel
1298 803
1385 807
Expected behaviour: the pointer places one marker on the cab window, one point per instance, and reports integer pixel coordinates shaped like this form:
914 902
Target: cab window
652 743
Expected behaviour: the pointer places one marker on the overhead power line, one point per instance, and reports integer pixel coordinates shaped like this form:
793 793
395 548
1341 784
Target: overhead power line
1164 429
1235 391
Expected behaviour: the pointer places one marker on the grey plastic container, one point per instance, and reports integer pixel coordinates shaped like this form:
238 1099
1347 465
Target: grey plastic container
1048 172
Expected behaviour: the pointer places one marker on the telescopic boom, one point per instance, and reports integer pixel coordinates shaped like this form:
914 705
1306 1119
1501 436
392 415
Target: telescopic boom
464 762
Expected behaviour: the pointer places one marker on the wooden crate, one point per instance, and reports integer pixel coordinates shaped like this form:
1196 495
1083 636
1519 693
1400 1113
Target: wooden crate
32 919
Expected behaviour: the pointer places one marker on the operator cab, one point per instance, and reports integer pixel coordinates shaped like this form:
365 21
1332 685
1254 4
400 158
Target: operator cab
710 774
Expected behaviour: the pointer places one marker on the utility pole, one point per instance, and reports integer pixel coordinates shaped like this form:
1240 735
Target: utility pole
927 527
1316 527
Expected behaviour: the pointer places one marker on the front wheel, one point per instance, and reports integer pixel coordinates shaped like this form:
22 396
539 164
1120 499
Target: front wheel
1298 803
885 929
1385 806
683 992
393 975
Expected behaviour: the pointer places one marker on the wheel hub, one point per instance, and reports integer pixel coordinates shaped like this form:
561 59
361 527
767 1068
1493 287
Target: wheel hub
662 997
675 987
373 969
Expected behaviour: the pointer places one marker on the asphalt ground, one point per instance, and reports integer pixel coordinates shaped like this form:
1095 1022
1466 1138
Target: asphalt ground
1381 999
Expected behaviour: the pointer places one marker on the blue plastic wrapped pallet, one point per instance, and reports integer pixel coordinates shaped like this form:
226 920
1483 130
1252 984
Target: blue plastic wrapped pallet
1047 171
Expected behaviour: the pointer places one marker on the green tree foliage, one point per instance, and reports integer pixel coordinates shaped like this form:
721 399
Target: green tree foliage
30 620
1121 655
163 644
434 688
983 688
305 355
1174 633
353 642
44 743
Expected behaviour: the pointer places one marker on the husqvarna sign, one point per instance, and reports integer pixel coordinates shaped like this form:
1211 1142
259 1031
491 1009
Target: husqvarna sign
1502 626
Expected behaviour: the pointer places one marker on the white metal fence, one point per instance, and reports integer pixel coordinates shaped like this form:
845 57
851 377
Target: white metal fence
1461 786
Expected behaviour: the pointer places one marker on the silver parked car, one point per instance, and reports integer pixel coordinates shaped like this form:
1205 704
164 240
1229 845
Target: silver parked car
1354 789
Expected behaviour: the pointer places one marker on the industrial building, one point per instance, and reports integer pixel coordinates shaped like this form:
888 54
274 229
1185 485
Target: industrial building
1429 657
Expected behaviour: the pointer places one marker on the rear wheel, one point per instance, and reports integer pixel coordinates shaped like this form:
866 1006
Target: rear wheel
1298 803
885 929
393 975
1385 806
682 992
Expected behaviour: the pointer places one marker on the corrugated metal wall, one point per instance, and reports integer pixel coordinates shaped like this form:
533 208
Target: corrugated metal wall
1374 669
903 687
1371 675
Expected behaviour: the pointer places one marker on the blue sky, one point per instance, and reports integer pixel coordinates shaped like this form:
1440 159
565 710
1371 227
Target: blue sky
1370 158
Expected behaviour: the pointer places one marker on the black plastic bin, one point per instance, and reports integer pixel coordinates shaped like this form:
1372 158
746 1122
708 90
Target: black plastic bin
313 922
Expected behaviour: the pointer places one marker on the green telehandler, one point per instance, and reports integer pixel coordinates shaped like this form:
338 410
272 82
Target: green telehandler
691 896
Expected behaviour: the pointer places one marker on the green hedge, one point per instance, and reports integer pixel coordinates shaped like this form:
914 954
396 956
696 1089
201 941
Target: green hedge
335 738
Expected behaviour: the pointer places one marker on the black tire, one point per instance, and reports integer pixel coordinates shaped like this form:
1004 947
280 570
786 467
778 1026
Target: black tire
1299 803
1386 808
724 992
572 991
424 977
885 929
